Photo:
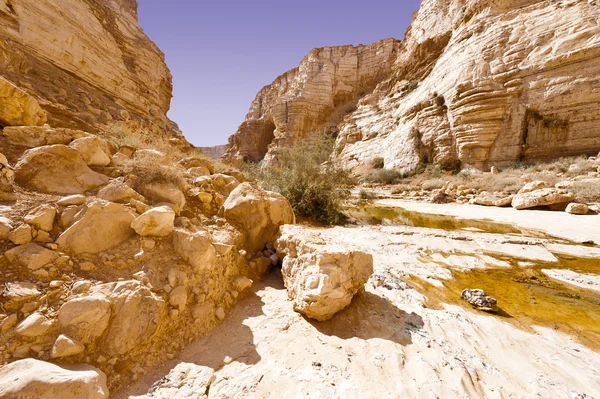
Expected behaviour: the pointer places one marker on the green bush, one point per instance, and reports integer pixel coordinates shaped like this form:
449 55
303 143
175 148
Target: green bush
313 184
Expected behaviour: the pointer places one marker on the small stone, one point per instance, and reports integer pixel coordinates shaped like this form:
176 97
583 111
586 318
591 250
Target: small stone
87 266
31 256
42 217
577 209
9 322
77 199
205 198
220 313
5 227
34 326
43 237
65 347
81 286
480 300
178 298
157 222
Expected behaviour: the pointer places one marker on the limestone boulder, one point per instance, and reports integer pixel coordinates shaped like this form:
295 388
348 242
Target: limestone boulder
257 213
578 209
21 235
35 325
532 186
6 226
93 150
186 380
543 197
65 347
100 227
36 379
85 319
56 169
480 300
157 222
31 256
42 217
164 192
195 162
196 248
117 191
18 293
137 313
320 279
18 108
76 199
39 136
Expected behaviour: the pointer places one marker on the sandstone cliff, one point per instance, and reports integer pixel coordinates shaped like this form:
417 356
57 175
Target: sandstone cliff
85 61
311 98
478 83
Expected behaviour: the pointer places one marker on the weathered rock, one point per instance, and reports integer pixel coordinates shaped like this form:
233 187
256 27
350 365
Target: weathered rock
85 319
186 380
157 222
34 325
164 192
543 197
136 314
178 298
258 213
578 209
35 379
31 256
65 347
19 293
6 227
21 235
196 248
42 217
39 136
56 169
195 162
17 107
480 300
93 150
77 199
117 191
532 186
320 280
502 202
102 226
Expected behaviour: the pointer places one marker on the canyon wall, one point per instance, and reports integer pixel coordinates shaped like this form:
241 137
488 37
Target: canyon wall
311 98
87 62
474 83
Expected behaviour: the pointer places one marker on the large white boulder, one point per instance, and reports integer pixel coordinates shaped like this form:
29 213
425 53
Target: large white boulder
257 213
93 150
102 226
321 279
86 318
157 222
42 217
196 248
35 379
56 169
542 197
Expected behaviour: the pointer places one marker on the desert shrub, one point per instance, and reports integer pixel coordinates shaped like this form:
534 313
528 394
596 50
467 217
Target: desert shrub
588 190
433 184
377 163
365 195
385 176
313 184
147 170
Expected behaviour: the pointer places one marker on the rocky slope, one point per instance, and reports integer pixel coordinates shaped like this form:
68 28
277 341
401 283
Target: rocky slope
311 98
478 83
86 62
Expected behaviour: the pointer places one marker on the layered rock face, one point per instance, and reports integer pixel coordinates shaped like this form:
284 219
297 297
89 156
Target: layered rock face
485 83
311 98
86 62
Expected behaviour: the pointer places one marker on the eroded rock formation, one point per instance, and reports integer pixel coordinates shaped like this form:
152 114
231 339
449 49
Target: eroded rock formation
86 62
311 98
480 83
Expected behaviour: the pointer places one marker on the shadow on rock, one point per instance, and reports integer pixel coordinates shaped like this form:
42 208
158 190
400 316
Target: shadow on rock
371 316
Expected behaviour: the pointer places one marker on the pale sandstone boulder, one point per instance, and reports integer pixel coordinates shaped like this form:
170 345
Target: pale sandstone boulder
6 226
195 162
117 191
31 256
543 197
137 312
196 248
39 136
86 318
56 169
258 213
19 293
157 222
178 298
35 325
93 150
76 199
577 209
164 192
320 279
35 379
120 159
42 217
102 226
65 347
18 108
199 171
21 235
532 186
186 380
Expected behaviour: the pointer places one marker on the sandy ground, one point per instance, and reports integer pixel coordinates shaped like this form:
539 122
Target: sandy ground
388 343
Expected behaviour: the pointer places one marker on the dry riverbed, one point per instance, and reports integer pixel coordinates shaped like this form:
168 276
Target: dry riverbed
409 334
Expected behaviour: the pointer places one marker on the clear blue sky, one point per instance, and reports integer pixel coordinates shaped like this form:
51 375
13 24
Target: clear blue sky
222 52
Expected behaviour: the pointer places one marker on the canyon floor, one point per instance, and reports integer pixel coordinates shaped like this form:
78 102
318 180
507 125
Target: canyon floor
409 334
